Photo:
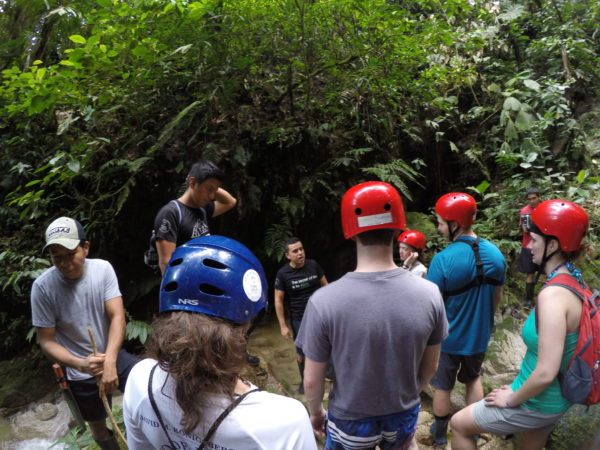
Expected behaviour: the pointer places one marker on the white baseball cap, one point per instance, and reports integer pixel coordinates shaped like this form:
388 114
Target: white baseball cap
66 232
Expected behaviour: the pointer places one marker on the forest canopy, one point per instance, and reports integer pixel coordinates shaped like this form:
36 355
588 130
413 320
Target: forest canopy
105 104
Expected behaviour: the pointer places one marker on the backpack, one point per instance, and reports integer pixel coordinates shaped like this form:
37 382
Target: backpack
480 277
151 255
580 382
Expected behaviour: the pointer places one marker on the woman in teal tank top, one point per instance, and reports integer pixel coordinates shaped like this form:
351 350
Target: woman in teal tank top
533 402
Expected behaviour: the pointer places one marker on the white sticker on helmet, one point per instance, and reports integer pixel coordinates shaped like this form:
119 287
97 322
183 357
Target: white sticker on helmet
375 219
252 285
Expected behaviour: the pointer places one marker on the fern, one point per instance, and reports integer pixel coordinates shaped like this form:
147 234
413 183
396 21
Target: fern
396 172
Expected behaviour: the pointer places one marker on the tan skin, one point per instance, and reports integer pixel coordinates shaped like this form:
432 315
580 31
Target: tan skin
296 256
559 311
533 200
408 254
70 263
372 258
197 195
474 388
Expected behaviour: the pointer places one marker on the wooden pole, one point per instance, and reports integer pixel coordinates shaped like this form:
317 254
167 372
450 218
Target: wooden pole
116 428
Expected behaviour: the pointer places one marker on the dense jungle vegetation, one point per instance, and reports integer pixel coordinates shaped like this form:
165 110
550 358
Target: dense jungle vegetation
105 104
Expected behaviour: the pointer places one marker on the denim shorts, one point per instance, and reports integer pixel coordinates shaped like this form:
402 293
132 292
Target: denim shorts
389 432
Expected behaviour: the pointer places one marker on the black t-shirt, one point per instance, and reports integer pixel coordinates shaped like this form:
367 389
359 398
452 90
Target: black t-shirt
299 285
176 222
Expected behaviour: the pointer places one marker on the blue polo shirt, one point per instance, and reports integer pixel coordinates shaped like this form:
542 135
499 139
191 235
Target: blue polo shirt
470 314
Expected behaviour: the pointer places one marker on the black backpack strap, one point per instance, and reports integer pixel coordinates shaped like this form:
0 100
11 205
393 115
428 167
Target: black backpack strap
222 417
155 408
480 277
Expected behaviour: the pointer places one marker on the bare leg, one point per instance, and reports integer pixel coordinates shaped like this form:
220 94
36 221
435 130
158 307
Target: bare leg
441 402
464 430
535 439
441 411
474 391
99 430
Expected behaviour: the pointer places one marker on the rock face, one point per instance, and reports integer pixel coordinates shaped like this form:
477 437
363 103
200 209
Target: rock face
506 352
44 420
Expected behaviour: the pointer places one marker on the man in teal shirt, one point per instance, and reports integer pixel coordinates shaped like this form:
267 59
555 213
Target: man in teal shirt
470 274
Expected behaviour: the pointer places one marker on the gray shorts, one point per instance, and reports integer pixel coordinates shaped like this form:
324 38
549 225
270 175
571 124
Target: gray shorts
496 420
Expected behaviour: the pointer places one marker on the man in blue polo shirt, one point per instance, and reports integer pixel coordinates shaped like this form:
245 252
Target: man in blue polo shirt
470 275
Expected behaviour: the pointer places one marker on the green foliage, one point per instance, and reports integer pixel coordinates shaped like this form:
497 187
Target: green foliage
104 105
577 428
137 329
77 439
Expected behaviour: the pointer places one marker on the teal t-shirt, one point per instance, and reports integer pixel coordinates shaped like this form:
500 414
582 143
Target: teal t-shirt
470 314
550 400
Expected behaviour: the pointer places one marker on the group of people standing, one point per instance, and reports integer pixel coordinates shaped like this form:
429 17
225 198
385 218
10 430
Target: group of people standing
385 331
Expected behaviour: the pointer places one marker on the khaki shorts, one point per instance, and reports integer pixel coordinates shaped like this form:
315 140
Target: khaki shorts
496 420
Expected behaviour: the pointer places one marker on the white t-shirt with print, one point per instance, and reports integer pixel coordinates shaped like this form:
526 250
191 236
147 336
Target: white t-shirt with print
261 421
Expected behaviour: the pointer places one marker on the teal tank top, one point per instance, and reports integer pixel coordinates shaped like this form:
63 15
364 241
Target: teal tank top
550 400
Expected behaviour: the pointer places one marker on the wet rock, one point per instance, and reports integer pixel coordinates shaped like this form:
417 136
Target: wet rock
506 351
424 417
499 380
27 425
45 411
493 442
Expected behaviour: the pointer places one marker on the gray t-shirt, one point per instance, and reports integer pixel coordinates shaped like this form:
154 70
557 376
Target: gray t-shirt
70 306
375 327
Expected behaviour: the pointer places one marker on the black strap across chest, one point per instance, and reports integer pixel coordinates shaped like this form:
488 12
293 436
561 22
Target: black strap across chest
480 277
213 427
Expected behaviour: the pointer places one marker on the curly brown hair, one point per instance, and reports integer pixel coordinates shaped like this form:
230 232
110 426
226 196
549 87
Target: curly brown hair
204 355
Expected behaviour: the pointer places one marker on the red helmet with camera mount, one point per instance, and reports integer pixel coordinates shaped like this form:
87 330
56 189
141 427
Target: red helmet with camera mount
413 238
564 220
457 207
369 206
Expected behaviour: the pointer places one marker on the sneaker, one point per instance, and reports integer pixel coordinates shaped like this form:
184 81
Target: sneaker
437 442
252 360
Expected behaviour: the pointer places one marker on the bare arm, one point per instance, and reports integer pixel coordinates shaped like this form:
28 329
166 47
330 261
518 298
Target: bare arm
46 338
280 311
552 329
323 281
314 389
116 333
224 201
165 249
497 296
429 364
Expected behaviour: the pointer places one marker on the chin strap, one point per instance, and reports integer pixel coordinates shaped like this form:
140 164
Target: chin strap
451 232
545 259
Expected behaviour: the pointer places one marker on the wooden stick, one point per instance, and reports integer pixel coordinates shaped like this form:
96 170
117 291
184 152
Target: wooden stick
116 428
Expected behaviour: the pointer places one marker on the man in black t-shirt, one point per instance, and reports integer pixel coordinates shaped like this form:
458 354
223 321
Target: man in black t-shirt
296 281
187 217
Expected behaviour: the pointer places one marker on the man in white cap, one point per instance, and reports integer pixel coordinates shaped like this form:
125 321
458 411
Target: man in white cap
75 295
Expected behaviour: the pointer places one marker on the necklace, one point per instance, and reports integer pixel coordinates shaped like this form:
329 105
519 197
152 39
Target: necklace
574 271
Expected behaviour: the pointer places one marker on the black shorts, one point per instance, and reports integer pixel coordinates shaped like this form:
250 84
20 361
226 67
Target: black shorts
526 264
453 367
86 391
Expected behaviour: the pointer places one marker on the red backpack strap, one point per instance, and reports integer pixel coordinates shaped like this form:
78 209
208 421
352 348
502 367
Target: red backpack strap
569 282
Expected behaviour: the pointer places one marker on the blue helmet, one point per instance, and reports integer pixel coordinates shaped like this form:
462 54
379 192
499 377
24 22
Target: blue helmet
216 276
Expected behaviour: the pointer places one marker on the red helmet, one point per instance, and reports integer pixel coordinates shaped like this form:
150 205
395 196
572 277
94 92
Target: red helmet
458 207
413 238
369 206
564 220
